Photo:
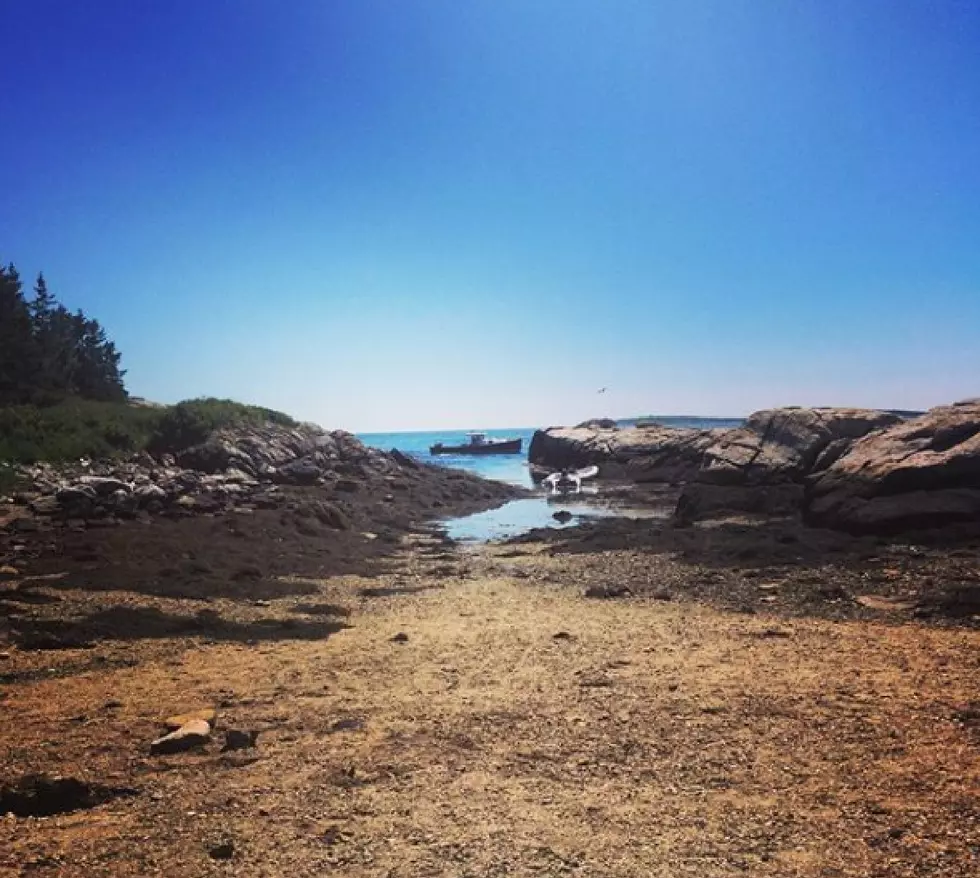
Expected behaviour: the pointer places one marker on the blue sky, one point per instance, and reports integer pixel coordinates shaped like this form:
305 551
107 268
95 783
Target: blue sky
424 214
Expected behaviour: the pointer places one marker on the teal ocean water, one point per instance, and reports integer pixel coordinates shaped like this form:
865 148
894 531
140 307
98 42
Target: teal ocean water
510 468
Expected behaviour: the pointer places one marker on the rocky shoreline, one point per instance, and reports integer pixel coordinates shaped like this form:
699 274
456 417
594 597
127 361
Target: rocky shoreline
240 469
261 654
857 470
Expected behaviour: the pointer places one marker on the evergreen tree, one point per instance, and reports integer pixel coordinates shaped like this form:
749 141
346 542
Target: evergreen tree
49 378
47 353
18 351
43 304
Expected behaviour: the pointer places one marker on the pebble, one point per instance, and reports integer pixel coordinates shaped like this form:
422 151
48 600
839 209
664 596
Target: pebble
223 851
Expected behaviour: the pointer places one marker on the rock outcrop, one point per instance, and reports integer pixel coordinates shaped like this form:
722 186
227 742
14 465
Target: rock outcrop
642 454
759 468
919 473
776 446
721 470
244 467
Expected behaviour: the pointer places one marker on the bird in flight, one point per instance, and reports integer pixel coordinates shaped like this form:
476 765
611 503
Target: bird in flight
601 390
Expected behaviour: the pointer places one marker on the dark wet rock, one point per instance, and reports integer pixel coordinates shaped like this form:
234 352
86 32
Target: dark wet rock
300 472
225 850
103 486
47 505
330 515
920 473
607 591
403 459
959 600
238 739
349 724
563 516
699 501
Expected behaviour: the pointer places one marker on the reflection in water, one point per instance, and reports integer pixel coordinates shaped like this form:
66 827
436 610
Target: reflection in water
520 516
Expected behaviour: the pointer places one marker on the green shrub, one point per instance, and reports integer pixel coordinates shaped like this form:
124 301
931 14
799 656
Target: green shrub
192 421
75 428
72 429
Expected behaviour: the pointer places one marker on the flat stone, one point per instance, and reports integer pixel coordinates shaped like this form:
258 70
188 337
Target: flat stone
208 714
190 736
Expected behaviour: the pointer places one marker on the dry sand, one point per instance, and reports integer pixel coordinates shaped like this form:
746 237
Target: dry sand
521 729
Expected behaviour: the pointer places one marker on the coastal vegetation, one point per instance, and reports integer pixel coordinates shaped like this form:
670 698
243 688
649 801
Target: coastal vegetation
62 394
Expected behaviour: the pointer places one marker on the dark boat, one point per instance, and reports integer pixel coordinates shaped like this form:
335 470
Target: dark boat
479 444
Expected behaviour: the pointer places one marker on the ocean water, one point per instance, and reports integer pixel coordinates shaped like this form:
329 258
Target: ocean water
511 468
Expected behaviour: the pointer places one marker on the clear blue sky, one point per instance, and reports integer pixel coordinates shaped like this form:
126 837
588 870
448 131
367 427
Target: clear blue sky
384 215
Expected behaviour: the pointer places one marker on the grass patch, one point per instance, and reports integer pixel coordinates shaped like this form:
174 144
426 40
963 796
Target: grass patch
75 428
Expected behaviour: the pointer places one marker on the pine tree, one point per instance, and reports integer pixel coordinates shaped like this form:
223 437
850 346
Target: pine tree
18 349
48 353
43 304
50 381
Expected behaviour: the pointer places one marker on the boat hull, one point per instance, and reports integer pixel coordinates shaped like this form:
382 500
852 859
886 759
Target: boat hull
511 446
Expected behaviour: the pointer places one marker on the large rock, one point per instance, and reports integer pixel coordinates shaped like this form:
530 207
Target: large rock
699 501
653 454
920 473
784 445
104 486
759 468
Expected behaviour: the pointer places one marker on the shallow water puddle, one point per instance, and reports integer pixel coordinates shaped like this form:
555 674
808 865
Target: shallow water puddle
519 516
